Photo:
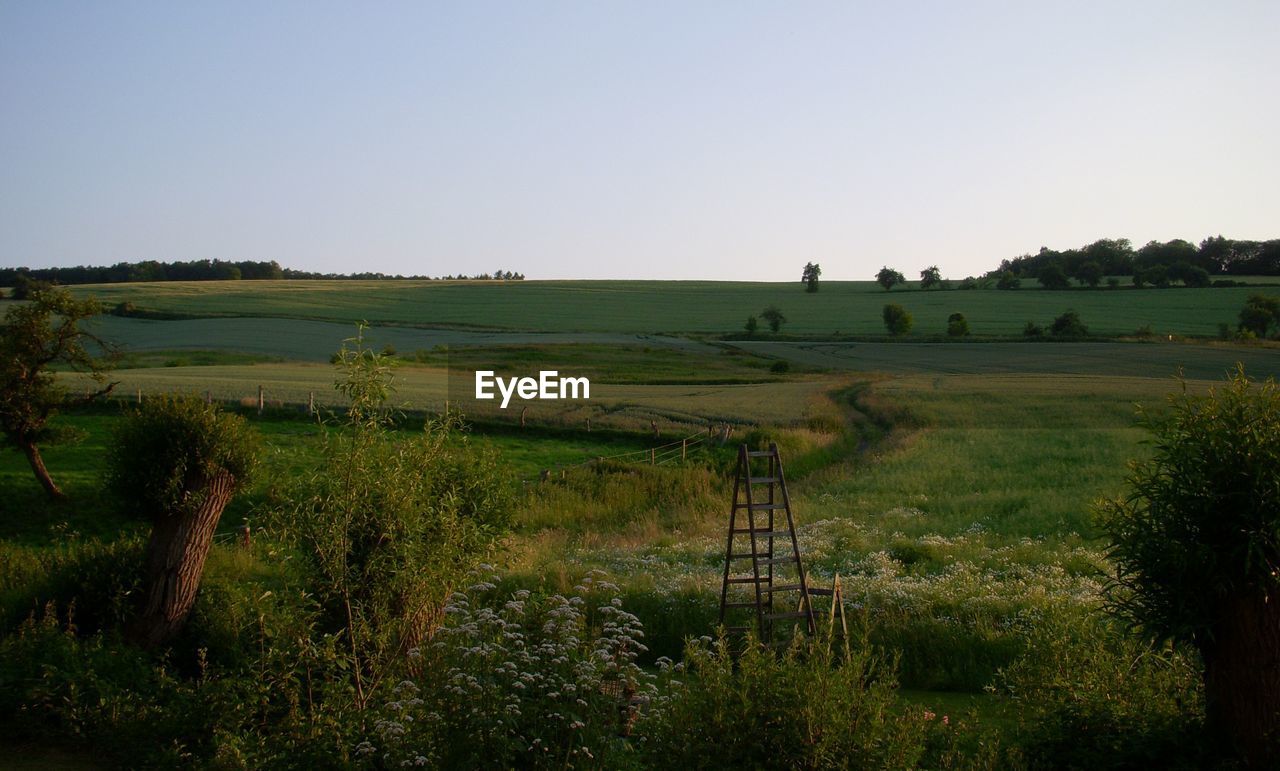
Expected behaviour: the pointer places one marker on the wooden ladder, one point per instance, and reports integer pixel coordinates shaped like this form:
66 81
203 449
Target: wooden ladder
775 568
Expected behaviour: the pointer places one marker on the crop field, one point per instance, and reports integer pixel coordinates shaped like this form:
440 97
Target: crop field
651 307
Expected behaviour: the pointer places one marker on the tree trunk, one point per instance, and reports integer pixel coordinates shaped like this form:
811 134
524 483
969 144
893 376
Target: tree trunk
1242 678
175 562
32 452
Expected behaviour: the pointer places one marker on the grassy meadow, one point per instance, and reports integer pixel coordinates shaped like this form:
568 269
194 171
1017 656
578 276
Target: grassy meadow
702 307
950 485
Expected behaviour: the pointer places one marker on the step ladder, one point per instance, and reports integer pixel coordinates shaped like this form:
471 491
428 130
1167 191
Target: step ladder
762 557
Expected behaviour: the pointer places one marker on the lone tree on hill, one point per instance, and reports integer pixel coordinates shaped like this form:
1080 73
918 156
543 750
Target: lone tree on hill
1068 325
897 319
888 278
957 325
177 462
1197 556
751 326
930 277
810 276
33 337
774 317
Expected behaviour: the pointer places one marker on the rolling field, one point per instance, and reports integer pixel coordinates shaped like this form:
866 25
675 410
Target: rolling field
649 307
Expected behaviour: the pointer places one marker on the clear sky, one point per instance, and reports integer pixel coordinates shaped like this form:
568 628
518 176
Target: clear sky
649 139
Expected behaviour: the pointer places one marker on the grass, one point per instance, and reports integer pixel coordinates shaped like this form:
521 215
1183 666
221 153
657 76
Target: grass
681 306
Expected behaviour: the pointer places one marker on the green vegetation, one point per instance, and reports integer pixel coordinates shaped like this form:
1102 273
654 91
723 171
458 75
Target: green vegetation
649 307
896 319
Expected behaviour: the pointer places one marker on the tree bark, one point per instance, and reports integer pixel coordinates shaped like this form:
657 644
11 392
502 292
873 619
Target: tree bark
1242 677
32 452
175 562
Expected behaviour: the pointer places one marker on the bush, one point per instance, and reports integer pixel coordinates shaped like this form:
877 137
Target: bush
1032 329
799 709
519 681
1068 325
1196 551
896 319
1008 280
779 367
957 325
1259 314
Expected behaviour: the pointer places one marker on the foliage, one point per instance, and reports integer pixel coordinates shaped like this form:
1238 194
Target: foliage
1008 280
519 680
35 337
896 319
1052 276
386 525
1259 314
1068 325
171 447
751 326
1089 696
799 709
812 271
774 317
1201 520
957 325
889 278
1090 273
930 277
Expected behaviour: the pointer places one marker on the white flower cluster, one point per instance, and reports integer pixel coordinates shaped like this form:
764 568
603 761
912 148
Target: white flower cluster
518 679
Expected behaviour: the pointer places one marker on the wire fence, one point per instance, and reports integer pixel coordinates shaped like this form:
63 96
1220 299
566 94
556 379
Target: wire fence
668 454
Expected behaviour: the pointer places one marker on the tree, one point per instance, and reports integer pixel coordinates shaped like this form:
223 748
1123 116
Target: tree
1259 313
751 326
957 325
177 462
35 336
1089 273
1052 276
930 277
810 276
888 278
1196 552
1033 330
897 319
1068 325
774 317
1008 280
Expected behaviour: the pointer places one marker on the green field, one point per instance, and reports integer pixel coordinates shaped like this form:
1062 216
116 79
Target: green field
951 485
649 307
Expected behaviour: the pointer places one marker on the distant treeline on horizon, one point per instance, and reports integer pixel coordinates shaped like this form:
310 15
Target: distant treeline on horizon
211 270
1117 257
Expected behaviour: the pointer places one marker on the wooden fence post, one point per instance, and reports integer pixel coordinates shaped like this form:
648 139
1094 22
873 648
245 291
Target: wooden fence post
684 448
523 410
588 424
311 402
260 400
653 456
139 396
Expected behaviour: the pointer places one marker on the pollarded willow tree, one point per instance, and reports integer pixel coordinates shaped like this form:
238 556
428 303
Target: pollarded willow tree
1196 548
177 462
36 336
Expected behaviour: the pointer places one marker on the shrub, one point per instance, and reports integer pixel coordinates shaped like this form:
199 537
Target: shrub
896 319
1032 329
1196 550
1068 325
780 366
519 681
1008 280
957 325
751 326
799 709
1259 314
773 316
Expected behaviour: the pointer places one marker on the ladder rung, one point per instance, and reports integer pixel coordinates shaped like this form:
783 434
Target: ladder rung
760 453
747 579
778 560
763 480
760 506
765 533
821 592
739 604
782 588
794 614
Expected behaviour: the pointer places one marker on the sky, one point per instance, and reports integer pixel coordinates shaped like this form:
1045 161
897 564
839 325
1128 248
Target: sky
681 140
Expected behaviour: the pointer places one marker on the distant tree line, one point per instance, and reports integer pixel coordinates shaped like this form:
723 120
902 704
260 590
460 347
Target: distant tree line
207 270
1156 263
